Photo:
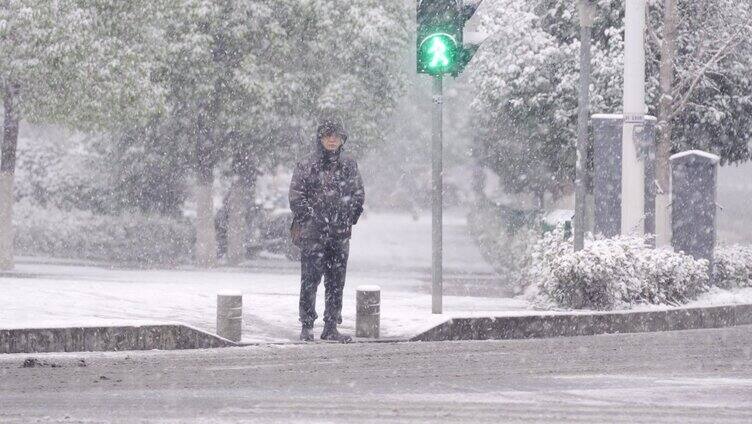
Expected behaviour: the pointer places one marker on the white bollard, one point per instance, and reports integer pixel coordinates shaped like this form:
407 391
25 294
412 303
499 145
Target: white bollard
230 315
368 311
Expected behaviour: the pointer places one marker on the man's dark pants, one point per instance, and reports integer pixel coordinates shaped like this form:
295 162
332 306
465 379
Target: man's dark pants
327 258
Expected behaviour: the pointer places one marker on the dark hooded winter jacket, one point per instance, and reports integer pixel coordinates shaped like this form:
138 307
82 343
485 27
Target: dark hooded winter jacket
326 195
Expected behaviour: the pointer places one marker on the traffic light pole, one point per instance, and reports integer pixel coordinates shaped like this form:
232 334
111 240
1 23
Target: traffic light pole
437 196
441 50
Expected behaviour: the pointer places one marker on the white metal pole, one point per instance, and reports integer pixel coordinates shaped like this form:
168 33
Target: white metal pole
632 169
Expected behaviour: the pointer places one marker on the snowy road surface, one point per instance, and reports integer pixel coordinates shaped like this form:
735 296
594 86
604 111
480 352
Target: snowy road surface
681 377
389 250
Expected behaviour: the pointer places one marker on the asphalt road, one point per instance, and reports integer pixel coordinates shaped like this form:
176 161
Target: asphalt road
683 377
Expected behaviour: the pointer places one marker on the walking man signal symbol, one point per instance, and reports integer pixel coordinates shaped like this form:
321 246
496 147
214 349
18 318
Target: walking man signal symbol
438 52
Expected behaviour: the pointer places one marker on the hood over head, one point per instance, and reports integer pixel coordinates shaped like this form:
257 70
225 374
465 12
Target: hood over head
327 127
330 126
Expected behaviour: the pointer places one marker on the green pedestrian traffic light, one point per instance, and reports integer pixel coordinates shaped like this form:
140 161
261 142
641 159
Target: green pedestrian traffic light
437 53
440 45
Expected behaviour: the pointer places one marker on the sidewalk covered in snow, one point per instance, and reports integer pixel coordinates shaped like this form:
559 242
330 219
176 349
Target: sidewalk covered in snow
388 250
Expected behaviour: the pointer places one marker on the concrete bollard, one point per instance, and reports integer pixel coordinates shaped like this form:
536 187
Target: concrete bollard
368 310
230 315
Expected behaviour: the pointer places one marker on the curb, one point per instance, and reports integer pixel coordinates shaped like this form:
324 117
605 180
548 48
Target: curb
356 340
572 324
181 336
108 338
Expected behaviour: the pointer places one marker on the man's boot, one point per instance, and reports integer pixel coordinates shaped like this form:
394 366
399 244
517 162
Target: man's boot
306 334
330 333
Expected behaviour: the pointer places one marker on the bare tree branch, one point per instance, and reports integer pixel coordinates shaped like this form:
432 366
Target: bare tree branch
651 31
717 57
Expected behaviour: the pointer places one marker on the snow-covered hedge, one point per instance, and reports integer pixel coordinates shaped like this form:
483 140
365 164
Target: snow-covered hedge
129 238
612 273
733 266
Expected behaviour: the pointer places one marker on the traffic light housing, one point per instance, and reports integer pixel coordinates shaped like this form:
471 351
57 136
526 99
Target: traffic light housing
440 45
439 42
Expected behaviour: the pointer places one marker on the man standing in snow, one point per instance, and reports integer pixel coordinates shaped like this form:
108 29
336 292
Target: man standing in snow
326 198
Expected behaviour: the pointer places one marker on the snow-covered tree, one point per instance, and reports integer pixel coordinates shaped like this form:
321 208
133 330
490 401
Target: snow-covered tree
247 82
339 58
55 168
526 78
146 170
219 76
82 63
350 62
703 55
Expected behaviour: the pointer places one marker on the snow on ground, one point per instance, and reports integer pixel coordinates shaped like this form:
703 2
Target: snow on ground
74 295
391 251
718 296
388 250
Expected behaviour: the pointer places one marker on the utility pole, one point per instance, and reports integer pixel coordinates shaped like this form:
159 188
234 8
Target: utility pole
633 168
437 197
587 10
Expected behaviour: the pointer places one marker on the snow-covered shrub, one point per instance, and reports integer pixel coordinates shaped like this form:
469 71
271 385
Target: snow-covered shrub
670 277
130 238
733 266
612 273
598 277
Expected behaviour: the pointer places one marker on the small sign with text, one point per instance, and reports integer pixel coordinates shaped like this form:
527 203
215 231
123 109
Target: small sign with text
634 118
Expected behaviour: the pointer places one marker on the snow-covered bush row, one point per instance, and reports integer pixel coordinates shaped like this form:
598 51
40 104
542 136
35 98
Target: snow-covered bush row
130 238
612 273
733 266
